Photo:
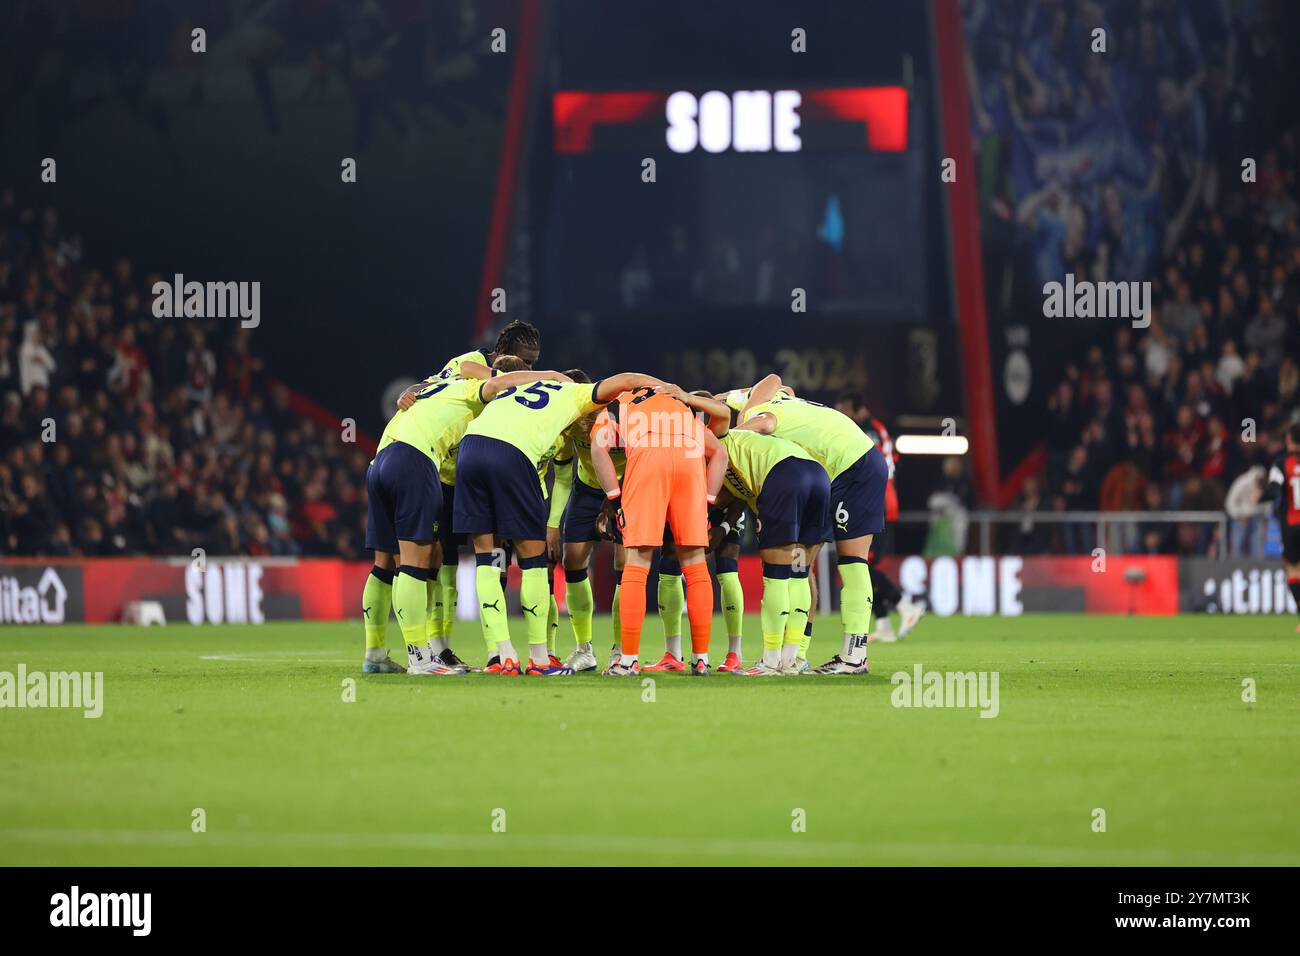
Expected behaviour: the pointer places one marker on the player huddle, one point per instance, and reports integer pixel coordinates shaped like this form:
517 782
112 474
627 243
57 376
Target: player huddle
635 459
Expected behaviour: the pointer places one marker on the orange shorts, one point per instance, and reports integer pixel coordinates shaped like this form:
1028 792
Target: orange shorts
664 486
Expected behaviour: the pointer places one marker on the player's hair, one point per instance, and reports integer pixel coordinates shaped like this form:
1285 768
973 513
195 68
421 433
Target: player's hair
848 397
517 335
1293 433
509 363
579 376
702 393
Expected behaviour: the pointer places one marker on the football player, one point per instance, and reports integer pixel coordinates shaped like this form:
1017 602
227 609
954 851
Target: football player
789 493
522 341
665 482
1284 488
498 492
858 476
405 505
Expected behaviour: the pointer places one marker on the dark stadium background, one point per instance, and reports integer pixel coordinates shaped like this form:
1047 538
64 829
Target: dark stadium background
227 166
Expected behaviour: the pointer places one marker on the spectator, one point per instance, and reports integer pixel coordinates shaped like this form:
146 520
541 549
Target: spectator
1029 536
35 361
1266 334
160 443
1249 517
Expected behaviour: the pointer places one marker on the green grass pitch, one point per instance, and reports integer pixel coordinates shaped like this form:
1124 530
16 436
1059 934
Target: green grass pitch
1142 718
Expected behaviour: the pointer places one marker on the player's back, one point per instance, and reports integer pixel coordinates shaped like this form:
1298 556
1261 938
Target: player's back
751 456
532 417
828 435
452 368
586 469
439 417
648 424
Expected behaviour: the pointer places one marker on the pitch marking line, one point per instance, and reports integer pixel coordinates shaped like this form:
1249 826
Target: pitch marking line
645 846
274 659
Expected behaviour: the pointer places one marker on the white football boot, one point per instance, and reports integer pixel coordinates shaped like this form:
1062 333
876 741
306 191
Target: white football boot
382 665
580 661
909 614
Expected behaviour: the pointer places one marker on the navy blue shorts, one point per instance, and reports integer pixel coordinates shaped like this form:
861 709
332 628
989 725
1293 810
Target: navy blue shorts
450 540
581 512
405 498
497 491
858 497
794 505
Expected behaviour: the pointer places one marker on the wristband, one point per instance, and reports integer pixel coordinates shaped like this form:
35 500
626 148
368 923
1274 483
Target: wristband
614 495
711 499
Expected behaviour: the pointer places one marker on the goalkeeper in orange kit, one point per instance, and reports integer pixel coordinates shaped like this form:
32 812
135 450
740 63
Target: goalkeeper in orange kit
675 468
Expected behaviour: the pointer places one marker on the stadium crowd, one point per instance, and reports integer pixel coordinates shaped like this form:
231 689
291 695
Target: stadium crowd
1128 166
124 434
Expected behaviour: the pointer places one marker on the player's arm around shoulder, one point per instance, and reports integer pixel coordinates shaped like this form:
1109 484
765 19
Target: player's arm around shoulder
758 419
610 387
603 438
717 410
494 386
408 396
716 458
762 393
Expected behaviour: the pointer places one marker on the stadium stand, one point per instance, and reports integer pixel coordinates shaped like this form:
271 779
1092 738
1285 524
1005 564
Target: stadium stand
1169 417
165 440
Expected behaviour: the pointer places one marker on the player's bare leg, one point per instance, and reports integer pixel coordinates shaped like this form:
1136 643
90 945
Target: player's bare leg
376 602
411 605
855 607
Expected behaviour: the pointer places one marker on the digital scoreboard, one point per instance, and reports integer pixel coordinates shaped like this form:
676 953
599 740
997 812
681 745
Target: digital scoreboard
711 198
681 200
